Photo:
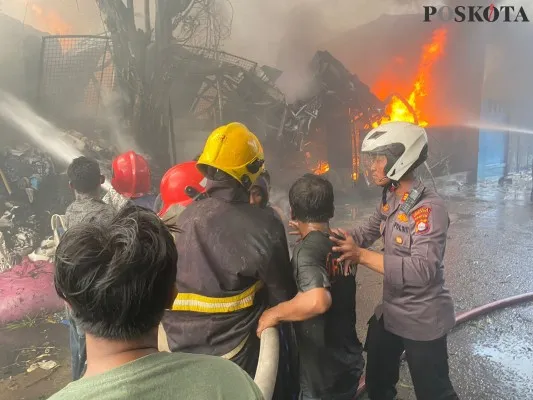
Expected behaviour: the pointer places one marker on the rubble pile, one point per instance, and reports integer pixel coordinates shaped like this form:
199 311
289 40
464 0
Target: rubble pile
26 193
33 187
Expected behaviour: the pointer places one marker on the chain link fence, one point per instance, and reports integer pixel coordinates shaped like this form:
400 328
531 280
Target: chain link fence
76 73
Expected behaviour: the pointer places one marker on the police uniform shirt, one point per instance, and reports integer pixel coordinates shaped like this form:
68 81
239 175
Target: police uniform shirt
416 304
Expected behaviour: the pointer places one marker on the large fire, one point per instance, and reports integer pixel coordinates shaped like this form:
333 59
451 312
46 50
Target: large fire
49 21
397 110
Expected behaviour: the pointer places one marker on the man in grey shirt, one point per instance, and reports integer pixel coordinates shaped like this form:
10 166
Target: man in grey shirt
85 179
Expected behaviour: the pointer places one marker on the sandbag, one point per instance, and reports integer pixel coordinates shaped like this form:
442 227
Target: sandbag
28 289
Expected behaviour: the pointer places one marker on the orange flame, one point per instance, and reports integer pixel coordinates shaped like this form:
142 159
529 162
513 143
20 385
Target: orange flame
397 110
50 21
321 168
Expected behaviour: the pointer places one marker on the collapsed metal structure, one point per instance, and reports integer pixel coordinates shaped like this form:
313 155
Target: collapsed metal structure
215 87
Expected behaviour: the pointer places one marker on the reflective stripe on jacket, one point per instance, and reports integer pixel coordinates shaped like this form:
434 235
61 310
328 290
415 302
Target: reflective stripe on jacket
233 262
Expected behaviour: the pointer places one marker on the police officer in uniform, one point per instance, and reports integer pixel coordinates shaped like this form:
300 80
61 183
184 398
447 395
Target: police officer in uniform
417 311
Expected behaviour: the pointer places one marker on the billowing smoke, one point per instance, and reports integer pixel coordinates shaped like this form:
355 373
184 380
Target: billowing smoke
119 134
286 34
57 17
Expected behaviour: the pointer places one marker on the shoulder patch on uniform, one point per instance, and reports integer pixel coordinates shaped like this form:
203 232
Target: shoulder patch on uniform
421 217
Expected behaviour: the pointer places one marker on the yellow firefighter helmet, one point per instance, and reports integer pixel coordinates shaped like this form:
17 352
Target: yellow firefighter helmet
234 150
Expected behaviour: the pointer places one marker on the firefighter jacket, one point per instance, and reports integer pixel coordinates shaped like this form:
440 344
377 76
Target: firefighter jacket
233 262
416 304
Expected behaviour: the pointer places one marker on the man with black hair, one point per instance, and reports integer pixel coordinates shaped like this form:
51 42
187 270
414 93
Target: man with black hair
118 278
331 360
85 179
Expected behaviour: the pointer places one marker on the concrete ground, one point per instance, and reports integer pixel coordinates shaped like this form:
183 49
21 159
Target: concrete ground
489 257
22 347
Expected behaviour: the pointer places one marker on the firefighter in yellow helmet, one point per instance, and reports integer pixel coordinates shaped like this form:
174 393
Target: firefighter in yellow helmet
232 151
233 256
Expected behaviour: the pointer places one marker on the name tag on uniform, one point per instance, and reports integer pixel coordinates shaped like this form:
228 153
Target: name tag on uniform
401 228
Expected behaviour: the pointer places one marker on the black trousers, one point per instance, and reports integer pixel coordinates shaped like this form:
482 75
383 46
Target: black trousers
427 361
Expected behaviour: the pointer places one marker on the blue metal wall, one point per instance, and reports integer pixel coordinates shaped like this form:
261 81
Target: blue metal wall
492 143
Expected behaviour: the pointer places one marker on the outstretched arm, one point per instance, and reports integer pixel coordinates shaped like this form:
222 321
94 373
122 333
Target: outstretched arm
305 305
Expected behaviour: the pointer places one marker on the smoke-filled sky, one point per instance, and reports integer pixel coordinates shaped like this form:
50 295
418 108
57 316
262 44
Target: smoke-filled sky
286 33
258 25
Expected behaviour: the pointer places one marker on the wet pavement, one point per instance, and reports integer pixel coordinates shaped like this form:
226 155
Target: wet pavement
34 359
489 257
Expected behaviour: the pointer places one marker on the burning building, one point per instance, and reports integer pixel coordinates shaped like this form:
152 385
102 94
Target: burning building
457 79
423 73
435 68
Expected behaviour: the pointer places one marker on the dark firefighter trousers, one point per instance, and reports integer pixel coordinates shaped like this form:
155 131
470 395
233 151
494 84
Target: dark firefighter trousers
427 361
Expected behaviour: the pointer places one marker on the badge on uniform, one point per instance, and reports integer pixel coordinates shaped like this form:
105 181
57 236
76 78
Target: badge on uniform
421 217
399 240
405 197
402 217
385 208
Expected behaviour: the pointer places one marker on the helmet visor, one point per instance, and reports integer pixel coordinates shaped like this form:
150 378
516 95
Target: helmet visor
373 168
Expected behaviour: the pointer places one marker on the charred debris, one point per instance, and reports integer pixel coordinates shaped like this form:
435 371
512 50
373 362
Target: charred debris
162 83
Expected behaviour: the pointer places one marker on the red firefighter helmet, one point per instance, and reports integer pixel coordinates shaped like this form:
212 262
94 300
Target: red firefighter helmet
181 185
131 175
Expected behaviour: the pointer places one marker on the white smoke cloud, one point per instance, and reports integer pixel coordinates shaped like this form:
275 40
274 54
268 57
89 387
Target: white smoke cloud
286 33
260 27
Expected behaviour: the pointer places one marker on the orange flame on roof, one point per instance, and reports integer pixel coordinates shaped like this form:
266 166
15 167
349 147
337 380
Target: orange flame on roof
397 110
49 21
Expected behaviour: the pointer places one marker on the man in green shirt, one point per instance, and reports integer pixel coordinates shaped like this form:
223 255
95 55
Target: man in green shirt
118 278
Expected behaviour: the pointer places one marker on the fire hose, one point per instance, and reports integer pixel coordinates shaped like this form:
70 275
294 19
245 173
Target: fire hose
267 364
469 316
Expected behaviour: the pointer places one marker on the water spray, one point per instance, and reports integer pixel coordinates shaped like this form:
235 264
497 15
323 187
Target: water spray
19 115
498 127
40 131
